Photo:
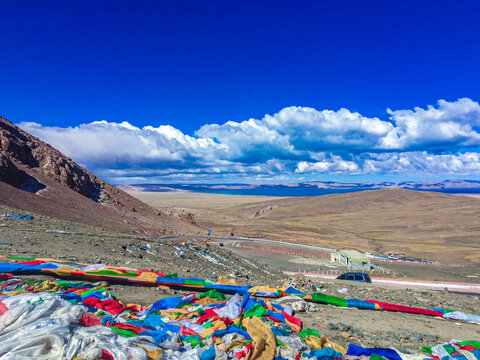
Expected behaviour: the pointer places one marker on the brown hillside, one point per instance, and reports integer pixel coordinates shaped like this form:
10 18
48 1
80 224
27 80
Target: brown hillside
424 224
432 225
36 177
364 200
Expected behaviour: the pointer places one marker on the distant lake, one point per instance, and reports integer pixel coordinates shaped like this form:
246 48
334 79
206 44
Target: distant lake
281 191
285 191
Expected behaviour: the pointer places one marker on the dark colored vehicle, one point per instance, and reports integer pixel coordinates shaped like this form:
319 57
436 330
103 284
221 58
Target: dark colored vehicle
359 277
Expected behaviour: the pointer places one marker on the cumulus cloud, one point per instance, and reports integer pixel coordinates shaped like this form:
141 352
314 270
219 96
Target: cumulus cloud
451 125
411 163
295 129
310 129
442 139
107 144
333 164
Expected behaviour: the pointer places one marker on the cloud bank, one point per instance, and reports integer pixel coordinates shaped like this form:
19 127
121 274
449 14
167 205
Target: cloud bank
442 140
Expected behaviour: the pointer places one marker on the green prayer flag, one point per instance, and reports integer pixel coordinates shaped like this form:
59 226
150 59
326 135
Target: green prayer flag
473 343
212 294
123 332
194 340
256 310
328 299
377 357
307 332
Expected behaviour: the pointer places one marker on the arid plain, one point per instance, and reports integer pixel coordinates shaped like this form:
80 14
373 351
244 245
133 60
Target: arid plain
434 226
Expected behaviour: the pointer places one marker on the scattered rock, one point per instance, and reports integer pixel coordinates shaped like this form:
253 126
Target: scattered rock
264 211
298 306
357 332
343 327
312 307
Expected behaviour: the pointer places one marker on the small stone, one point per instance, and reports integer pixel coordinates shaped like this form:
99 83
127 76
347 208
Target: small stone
343 327
313 307
345 334
298 306
357 332
332 326
430 338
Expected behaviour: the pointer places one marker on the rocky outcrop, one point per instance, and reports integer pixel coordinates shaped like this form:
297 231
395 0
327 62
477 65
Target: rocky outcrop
181 214
9 173
264 211
41 157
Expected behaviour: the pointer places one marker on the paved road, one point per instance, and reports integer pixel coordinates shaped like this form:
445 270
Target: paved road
410 283
256 240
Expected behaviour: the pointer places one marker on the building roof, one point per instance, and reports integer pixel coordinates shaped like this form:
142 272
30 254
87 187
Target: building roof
354 255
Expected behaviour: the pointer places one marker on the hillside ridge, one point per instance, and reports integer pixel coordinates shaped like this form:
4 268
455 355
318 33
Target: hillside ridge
37 177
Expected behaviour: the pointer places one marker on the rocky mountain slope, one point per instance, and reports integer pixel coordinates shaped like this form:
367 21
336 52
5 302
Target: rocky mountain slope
37 177
9 173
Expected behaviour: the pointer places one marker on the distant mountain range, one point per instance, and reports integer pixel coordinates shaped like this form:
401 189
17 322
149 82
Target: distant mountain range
313 188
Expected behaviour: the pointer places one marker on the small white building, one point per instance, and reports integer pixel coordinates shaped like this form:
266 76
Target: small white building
352 259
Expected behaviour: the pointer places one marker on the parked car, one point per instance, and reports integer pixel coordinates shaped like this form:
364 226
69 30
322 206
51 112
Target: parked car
353 276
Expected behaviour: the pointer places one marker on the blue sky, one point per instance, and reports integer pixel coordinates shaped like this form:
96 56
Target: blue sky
165 79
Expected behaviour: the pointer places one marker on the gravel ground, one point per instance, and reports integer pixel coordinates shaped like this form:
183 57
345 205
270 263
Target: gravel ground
44 237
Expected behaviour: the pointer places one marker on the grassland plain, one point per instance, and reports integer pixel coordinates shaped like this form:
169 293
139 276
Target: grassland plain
435 226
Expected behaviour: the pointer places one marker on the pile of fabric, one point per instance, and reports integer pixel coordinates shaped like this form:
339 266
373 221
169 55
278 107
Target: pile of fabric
74 320
101 272
455 350
77 320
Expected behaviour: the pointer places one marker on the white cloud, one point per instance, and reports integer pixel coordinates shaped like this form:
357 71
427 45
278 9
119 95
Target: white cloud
310 129
452 124
436 140
248 137
106 144
422 162
334 165
412 163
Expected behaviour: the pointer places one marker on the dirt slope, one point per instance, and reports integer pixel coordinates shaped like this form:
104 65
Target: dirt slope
37 177
438 226
364 200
